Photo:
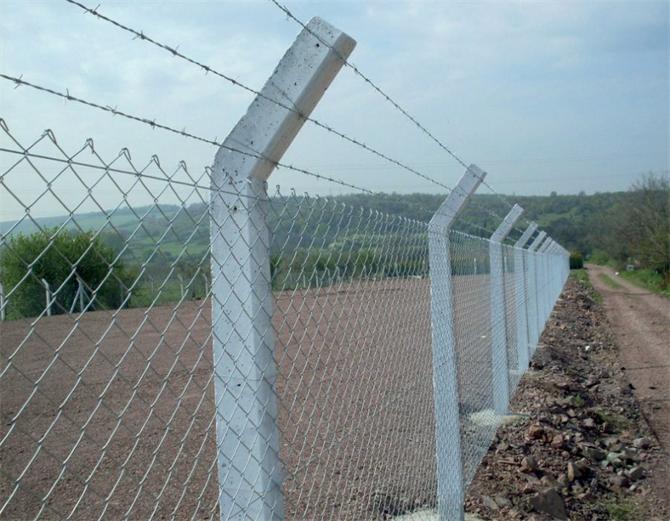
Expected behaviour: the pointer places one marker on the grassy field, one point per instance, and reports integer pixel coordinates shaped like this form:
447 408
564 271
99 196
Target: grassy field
647 279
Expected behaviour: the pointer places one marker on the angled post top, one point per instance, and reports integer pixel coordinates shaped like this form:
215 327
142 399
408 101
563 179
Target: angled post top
453 205
536 243
297 84
526 235
505 227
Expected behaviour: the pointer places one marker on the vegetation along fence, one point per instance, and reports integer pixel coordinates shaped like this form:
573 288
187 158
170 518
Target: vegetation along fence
247 354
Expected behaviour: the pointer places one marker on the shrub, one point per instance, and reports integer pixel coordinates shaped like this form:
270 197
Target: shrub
576 260
58 256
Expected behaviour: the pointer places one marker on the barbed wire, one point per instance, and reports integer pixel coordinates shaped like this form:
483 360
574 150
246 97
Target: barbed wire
137 34
386 96
155 124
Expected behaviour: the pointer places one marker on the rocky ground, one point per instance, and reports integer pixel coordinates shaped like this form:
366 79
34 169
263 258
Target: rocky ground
581 449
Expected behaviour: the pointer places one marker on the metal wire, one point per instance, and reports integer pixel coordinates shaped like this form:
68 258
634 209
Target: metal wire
208 69
154 124
116 406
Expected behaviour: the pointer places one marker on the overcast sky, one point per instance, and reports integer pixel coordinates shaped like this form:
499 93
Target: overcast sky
545 96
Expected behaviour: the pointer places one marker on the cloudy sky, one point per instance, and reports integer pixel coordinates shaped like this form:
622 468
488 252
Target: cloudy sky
545 96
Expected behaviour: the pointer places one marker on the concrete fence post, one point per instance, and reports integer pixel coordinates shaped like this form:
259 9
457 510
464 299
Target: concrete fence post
450 492
245 371
499 364
521 296
533 309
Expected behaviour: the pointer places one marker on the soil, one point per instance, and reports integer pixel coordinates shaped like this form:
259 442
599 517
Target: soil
580 448
641 323
126 400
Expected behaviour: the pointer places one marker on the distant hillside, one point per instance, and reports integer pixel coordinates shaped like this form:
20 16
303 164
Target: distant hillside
574 220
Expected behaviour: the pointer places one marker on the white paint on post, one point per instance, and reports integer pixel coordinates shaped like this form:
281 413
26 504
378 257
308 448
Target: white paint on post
521 296
499 365
249 469
450 492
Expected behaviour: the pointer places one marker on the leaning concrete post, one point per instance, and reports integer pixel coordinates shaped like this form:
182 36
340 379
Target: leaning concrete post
533 312
520 292
499 367
534 315
445 375
250 476
548 303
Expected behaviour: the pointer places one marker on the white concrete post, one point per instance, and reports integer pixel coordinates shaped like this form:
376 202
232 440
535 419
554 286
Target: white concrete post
548 302
520 292
47 296
533 307
2 302
181 286
499 367
245 371
450 492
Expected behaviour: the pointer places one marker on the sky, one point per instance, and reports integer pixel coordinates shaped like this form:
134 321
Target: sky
545 96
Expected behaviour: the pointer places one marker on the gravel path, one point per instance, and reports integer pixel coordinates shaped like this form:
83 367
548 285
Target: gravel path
641 322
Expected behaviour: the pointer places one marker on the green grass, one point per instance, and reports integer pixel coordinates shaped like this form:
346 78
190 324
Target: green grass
582 276
610 281
648 279
622 510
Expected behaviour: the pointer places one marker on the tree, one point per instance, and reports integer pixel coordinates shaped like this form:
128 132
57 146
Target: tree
643 223
59 256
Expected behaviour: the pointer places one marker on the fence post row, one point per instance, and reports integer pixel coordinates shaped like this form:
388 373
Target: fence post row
445 378
498 320
249 469
521 292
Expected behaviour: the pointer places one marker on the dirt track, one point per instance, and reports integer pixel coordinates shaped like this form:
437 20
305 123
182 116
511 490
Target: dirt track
641 323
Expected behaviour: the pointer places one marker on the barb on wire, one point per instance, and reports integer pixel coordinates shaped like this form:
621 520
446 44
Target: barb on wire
374 86
208 69
154 124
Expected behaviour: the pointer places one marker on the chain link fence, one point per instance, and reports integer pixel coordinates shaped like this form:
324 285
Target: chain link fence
124 396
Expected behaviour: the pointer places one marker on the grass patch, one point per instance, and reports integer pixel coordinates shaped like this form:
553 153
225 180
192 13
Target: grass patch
610 281
622 510
616 421
582 276
648 279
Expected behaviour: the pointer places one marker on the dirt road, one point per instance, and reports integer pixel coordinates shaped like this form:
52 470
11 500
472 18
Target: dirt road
641 322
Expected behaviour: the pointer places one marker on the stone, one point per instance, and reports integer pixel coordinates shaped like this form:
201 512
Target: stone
549 502
490 503
619 482
594 453
528 464
641 443
557 441
535 432
635 473
589 423
573 472
502 501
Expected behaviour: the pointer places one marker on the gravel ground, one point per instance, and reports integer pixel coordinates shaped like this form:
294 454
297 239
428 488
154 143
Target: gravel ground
136 433
582 449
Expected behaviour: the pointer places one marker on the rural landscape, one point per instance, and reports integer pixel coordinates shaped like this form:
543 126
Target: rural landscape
325 261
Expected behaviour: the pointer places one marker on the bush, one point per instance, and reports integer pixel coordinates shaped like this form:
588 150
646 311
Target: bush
56 256
576 260
599 257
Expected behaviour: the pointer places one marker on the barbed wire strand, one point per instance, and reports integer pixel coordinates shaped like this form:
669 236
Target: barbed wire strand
386 96
138 34
155 124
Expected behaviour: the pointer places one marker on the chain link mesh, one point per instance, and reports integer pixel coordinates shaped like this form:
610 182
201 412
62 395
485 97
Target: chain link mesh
112 396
